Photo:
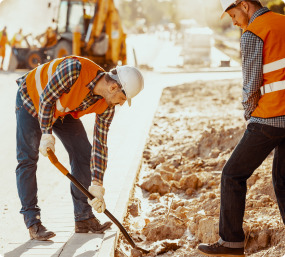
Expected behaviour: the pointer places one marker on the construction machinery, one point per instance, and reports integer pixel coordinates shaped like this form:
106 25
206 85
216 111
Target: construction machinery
196 46
89 28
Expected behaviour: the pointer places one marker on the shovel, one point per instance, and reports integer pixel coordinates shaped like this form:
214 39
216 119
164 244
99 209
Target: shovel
52 157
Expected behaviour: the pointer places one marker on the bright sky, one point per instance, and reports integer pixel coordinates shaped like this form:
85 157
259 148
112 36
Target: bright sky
33 16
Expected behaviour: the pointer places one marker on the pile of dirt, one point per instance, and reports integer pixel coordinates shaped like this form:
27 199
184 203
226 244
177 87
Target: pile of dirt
176 200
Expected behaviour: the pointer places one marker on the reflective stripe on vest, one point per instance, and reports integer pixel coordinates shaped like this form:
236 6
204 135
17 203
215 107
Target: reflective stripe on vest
274 66
272 87
38 78
270 27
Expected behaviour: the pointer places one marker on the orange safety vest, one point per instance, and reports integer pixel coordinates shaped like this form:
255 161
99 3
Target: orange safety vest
270 27
3 42
16 40
38 78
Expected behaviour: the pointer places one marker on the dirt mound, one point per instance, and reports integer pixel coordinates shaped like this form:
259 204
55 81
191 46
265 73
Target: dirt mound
176 202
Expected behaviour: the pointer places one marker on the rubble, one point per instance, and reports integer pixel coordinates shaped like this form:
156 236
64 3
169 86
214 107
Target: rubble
195 129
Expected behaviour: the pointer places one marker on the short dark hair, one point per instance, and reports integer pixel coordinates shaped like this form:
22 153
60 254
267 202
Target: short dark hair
107 76
254 2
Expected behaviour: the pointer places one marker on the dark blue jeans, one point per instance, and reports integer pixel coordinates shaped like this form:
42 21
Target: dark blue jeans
256 144
73 136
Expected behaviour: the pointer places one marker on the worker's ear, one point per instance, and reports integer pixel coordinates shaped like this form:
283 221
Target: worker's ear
244 6
112 87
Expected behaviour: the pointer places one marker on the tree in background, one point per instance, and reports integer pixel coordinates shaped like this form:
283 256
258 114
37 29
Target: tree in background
152 12
130 11
134 13
277 6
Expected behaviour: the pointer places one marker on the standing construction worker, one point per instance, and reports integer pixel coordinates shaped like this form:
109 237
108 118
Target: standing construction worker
3 42
17 39
52 98
263 65
49 38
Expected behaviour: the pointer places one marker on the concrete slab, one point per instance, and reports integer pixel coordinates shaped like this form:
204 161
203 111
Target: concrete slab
82 245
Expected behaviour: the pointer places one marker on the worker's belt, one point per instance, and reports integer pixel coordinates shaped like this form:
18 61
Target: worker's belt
272 87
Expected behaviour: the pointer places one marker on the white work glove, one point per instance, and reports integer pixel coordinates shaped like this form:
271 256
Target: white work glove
47 141
98 202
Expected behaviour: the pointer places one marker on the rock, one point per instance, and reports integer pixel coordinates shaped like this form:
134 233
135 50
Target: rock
155 161
134 208
156 184
154 196
146 154
176 204
212 195
136 253
189 191
263 238
166 175
177 175
191 152
215 153
175 184
208 229
190 181
160 229
168 167
182 212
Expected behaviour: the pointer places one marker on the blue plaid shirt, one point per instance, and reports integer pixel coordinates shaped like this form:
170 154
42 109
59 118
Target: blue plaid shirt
252 69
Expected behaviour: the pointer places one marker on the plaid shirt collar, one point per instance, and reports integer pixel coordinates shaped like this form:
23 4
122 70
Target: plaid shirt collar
93 83
258 13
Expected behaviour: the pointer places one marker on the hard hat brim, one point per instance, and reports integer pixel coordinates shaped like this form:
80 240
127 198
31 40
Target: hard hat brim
223 15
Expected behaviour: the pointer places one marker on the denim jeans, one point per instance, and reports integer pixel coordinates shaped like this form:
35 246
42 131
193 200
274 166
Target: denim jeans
73 136
256 144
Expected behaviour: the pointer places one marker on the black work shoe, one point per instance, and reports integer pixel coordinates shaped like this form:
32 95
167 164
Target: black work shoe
93 225
39 232
219 250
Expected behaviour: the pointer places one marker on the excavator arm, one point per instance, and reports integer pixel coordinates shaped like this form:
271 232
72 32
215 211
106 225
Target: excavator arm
106 19
97 22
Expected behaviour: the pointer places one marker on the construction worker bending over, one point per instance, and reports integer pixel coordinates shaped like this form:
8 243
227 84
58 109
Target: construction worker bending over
263 64
3 42
52 98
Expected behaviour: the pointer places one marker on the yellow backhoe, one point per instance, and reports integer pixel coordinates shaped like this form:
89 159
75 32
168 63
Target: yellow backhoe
89 28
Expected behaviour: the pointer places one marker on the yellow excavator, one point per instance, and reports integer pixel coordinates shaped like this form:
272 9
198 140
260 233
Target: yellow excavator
89 28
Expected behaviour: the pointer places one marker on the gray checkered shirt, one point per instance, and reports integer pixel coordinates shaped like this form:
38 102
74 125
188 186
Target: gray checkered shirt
252 70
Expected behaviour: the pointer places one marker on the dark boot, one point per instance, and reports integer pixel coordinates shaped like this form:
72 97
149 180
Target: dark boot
39 232
219 250
93 225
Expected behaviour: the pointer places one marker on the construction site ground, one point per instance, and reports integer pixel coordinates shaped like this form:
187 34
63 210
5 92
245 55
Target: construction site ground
176 199
180 141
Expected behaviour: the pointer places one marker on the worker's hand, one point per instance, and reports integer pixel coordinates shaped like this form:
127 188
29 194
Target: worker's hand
47 141
98 202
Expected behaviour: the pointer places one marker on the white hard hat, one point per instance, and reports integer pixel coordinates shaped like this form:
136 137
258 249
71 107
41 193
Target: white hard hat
131 80
227 3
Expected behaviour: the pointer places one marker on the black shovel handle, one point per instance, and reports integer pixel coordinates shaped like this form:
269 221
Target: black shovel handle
106 212
52 157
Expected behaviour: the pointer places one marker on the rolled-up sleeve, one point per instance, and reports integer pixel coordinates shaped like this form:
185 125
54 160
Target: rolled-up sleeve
252 69
99 154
